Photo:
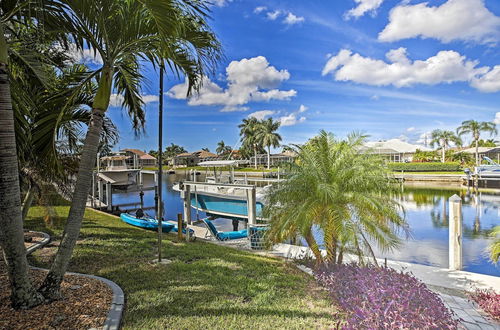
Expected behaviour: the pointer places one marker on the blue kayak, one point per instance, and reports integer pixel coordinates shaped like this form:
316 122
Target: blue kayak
146 223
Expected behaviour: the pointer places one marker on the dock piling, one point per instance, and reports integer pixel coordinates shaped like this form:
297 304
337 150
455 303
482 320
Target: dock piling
455 233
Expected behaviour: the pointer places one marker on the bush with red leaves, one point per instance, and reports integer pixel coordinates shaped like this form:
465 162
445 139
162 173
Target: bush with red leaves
489 301
383 298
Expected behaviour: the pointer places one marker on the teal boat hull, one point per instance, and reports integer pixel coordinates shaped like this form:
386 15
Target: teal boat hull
147 223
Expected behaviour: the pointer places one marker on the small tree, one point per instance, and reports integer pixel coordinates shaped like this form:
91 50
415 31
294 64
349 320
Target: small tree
347 194
475 128
443 140
268 137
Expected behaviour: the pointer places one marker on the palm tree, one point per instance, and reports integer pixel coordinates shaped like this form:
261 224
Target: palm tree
248 133
475 128
266 134
344 193
205 149
221 147
123 33
443 140
15 16
173 150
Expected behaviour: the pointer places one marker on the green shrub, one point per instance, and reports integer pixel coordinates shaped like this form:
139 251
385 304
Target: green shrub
425 167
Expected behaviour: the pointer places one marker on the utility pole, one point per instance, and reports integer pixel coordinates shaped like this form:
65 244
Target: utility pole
159 211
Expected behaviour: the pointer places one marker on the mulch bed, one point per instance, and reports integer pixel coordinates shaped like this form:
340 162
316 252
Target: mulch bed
85 304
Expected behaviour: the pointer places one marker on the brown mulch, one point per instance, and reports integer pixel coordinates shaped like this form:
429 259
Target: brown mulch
85 304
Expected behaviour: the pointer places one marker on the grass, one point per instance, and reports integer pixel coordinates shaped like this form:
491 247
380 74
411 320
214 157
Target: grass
207 286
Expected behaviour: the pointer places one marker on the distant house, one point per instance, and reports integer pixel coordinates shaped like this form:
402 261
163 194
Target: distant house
192 158
138 158
276 159
491 152
394 150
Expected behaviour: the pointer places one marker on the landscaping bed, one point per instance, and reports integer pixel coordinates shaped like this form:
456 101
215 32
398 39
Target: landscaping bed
85 305
206 286
32 238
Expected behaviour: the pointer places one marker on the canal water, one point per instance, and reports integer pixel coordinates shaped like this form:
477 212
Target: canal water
426 213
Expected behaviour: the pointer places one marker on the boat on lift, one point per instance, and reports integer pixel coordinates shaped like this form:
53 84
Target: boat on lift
223 195
490 170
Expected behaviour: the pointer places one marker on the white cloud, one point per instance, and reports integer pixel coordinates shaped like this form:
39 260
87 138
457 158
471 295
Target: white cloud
220 3
489 82
291 119
425 138
444 67
259 9
84 56
303 108
248 80
116 100
364 6
272 15
291 19
410 129
375 97
467 20
262 114
497 118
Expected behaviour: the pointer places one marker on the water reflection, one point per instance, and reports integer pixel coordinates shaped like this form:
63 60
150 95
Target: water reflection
426 212
427 215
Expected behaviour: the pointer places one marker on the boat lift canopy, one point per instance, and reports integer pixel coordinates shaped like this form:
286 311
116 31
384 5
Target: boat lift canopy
219 163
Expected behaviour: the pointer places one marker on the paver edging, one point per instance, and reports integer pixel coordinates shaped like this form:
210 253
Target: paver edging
38 245
115 313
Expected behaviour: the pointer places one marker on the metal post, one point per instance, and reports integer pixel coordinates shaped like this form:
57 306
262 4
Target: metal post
187 207
159 214
93 189
100 191
109 196
251 206
179 226
455 233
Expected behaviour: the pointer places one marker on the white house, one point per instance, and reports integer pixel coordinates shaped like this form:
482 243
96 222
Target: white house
395 150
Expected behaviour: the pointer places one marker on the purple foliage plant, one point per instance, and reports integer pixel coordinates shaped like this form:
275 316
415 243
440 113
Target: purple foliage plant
383 298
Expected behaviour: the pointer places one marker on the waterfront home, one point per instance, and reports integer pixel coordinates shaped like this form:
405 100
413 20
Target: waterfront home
138 158
192 158
276 159
394 150
491 152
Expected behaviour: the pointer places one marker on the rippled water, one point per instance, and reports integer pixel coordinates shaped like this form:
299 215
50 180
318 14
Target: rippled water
426 213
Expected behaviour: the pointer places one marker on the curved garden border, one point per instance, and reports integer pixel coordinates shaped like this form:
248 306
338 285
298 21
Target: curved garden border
114 318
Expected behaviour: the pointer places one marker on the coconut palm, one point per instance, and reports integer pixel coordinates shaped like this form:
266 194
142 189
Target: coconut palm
443 140
173 150
16 16
267 136
344 193
475 128
248 133
124 33
222 148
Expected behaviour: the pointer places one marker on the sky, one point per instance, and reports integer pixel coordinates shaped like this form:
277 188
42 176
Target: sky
386 68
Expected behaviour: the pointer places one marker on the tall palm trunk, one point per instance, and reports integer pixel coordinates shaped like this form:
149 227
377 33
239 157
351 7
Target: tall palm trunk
268 157
331 247
23 294
255 155
51 285
443 151
477 150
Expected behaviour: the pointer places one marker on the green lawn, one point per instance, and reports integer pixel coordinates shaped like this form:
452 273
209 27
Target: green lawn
207 286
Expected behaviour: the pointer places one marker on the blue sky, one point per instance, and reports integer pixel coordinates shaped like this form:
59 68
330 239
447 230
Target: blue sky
386 68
